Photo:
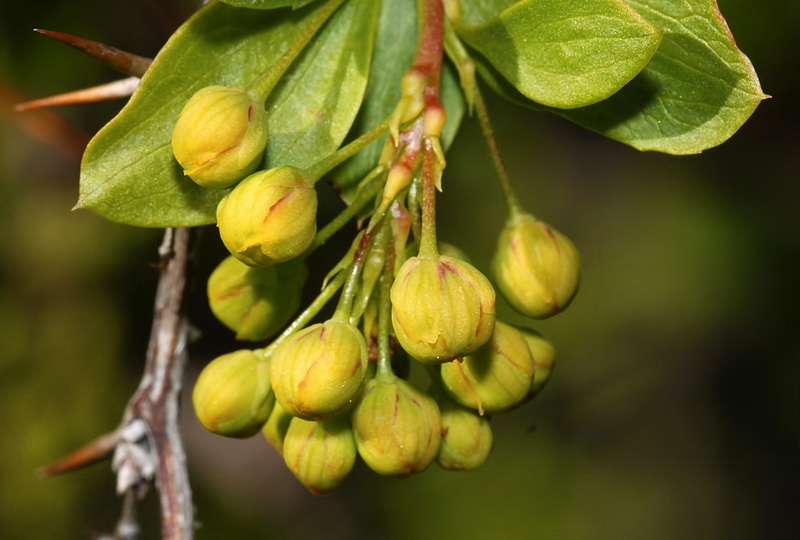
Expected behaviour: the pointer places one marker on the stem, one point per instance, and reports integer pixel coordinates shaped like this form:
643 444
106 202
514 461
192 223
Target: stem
513 204
127 527
466 70
430 43
413 210
348 293
305 317
369 193
318 169
385 314
428 62
147 446
264 86
428 247
156 400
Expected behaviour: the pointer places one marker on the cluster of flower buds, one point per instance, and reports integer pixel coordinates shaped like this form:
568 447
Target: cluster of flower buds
325 393
269 216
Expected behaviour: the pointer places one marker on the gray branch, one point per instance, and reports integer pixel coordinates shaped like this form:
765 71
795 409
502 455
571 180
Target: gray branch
150 446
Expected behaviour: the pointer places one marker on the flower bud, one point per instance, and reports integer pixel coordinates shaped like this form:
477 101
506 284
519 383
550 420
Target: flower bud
317 373
536 268
397 427
466 437
233 396
255 302
544 358
442 308
276 427
269 217
496 378
220 136
320 454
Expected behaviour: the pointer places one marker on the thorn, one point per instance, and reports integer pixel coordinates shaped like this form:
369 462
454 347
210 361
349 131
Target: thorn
97 450
113 90
122 61
46 127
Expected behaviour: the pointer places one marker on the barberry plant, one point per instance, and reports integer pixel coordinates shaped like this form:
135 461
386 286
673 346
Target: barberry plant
252 102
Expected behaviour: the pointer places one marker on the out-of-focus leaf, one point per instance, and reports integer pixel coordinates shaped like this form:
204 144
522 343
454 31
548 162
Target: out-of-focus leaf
566 53
128 172
267 4
395 46
476 12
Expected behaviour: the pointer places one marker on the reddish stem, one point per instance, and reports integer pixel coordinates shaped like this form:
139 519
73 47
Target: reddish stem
349 291
428 64
430 44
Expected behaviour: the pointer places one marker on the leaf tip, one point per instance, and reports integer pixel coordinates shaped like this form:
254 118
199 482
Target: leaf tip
80 204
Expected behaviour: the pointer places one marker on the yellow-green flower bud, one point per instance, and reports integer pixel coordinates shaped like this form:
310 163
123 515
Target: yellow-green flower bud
269 217
496 378
544 358
442 308
397 427
220 136
466 437
233 396
535 267
255 302
320 454
276 427
317 373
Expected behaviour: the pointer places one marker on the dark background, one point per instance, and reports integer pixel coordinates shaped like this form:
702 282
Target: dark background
674 411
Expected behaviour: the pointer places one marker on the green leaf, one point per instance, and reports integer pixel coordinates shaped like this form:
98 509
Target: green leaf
697 91
267 4
314 106
128 172
566 53
476 12
395 47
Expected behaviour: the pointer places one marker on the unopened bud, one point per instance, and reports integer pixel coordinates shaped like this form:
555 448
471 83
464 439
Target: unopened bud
320 454
544 358
466 437
536 268
496 378
399 178
255 302
233 396
220 136
442 308
277 425
397 427
270 217
317 373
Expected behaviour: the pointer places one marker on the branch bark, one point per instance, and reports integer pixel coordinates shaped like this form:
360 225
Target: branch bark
147 446
156 401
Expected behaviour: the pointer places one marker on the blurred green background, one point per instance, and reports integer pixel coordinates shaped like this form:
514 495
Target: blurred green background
674 412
